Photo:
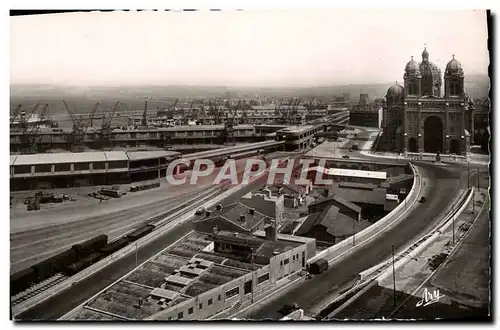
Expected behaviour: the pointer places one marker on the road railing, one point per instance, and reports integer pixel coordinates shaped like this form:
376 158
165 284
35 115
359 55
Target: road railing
332 253
409 253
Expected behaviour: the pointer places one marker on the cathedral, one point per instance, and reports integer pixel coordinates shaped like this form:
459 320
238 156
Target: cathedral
418 118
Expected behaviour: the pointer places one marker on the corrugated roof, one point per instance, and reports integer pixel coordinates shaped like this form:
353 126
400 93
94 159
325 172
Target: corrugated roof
137 155
335 223
325 218
339 199
58 158
159 292
115 155
375 197
357 173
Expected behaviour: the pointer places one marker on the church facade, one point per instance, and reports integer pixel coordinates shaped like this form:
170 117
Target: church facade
418 118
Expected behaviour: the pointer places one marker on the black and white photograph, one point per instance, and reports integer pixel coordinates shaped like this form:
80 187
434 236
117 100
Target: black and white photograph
321 164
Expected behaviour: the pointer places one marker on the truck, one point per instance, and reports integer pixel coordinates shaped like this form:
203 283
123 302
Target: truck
318 266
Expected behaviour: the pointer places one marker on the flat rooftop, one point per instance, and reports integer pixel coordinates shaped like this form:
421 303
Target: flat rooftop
180 272
296 129
343 172
87 157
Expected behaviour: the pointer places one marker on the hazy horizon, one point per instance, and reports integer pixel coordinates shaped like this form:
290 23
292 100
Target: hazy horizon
241 49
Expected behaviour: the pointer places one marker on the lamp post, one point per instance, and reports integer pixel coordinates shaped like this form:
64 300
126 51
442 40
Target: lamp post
463 142
353 232
393 278
253 273
418 145
453 227
136 263
404 142
448 144
468 174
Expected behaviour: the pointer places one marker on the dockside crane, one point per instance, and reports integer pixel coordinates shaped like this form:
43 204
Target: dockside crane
171 109
144 122
34 136
16 114
106 130
80 128
28 132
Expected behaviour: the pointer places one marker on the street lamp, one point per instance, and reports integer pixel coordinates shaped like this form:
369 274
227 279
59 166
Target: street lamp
463 141
404 144
468 174
453 227
393 278
447 144
354 233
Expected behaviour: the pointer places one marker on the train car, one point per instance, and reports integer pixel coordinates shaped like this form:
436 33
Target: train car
141 232
94 244
82 264
22 280
65 258
111 192
45 269
115 246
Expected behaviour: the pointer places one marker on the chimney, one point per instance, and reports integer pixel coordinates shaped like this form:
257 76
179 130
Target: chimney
207 213
242 217
271 231
267 193
251 211
219 207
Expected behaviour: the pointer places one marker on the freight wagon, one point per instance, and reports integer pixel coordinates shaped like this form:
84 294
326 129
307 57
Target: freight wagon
22 280
143 231
94 244
115 246
82 264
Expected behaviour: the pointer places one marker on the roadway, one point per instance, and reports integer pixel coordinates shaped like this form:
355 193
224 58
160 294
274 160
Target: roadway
442 184
60 304
463 280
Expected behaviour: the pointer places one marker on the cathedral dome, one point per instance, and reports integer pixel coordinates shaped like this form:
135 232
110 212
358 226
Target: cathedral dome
396 91
431 76
454 68
425 53
412 67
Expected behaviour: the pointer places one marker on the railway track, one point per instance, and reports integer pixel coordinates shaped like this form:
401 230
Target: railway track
37 289
157 221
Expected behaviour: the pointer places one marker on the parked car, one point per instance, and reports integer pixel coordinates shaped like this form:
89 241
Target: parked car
345 156
422 199
288 308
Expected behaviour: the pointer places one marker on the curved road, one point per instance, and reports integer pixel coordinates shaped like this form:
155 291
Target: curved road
442 184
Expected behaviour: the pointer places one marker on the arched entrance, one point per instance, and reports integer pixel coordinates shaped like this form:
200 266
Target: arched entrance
412 145
455 147
433 134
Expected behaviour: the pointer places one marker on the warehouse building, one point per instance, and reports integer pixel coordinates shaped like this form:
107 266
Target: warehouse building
202 276
61 170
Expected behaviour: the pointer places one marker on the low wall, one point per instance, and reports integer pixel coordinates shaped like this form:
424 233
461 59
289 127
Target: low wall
434 234
369 231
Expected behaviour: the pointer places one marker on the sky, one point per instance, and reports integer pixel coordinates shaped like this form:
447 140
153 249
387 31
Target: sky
241 48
